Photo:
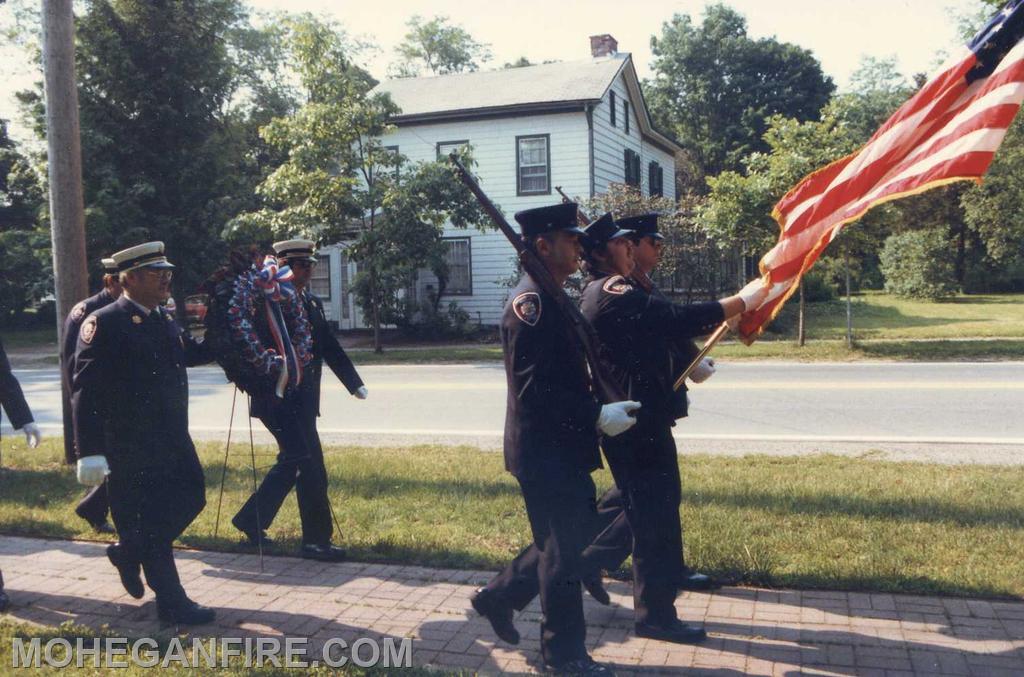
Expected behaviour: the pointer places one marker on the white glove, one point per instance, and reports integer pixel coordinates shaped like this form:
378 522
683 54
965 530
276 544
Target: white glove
703 371
753 295
615 417
92 470
361 393
32 435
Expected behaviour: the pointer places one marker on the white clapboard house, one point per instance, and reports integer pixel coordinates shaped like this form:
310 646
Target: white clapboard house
579 125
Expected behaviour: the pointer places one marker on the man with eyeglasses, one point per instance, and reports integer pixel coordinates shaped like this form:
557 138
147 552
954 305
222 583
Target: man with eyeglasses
130 410
292 421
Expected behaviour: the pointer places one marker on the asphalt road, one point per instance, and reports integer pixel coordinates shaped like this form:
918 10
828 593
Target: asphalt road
943 412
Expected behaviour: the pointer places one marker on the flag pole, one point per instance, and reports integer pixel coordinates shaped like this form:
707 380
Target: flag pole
722 330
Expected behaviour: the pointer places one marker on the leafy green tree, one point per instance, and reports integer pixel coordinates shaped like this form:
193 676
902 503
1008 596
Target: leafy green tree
714 87
339 182
21 195
918 264
439 48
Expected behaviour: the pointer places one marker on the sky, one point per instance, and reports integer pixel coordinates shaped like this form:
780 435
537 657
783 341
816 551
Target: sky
838 32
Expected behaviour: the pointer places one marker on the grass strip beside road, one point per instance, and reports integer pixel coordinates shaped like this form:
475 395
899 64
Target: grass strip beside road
805 522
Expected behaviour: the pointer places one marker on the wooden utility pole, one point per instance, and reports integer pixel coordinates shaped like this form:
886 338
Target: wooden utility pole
64 158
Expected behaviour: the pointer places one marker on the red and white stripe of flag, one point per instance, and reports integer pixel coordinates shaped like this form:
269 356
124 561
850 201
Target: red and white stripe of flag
949 131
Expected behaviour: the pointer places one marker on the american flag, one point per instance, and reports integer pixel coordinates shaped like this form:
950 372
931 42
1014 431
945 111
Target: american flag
948 131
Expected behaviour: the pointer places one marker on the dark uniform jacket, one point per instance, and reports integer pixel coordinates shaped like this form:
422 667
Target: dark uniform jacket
72 324
551 414
682 352
638 332
12 399
325 348
130 390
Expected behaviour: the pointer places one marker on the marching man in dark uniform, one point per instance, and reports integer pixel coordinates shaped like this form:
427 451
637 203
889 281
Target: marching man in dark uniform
638 330
614 544
552 424
96 504
130 403
12 401
292 421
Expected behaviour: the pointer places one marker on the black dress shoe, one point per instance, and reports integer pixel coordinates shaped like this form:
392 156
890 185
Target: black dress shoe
499 614
323 553
185 613
676 632
130 572
4 601
690 580
103 527
581 666
253 535
595 586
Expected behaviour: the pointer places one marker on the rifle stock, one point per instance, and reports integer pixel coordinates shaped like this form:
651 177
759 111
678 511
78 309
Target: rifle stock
606 387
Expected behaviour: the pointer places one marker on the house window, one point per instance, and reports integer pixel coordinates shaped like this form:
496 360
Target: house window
631 167
392 159
533 165
446 147
611 108
320 280
656 179
460 266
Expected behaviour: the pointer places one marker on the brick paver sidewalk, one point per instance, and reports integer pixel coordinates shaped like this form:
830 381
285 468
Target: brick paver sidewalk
753 631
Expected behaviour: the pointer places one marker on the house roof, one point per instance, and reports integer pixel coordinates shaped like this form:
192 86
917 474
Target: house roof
567 85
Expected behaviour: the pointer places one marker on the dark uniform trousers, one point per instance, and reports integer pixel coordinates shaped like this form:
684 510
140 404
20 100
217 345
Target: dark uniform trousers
300 464
95 506
130 402
644 464
292 422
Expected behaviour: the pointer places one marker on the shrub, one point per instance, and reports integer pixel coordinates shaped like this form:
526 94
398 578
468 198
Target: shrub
919 264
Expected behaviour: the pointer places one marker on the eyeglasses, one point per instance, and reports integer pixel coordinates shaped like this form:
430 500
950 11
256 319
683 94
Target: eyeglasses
302 263
163 274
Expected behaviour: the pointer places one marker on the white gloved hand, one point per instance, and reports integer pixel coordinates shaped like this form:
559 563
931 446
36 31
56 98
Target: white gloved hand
615 417
753 295
361 393
32 435
92 470
703 371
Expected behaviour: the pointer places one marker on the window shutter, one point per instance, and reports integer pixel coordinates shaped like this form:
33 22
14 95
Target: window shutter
611 101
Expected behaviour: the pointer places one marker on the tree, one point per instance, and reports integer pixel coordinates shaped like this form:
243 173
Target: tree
340 182
438 47
714 87
689 260
918 264
21 194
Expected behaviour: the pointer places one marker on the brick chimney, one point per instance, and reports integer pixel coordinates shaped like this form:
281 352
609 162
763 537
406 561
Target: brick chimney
603 45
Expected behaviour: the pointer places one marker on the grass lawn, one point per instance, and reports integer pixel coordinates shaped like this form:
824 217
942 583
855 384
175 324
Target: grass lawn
805 522
10 630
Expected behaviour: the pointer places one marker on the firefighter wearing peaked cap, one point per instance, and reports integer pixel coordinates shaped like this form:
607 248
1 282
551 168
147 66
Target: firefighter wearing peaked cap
636 330
130 403
292 421
95 507
552 424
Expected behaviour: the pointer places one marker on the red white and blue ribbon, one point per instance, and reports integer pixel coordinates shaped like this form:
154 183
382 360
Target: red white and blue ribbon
276 283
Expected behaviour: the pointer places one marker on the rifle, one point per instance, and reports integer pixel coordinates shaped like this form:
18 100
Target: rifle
607 389
645 283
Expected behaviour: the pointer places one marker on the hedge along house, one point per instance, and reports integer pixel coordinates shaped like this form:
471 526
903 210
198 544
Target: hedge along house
579 125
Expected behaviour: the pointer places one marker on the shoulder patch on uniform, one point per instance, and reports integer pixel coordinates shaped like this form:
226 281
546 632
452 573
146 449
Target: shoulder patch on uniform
617 285
78 312
88 331
527 307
